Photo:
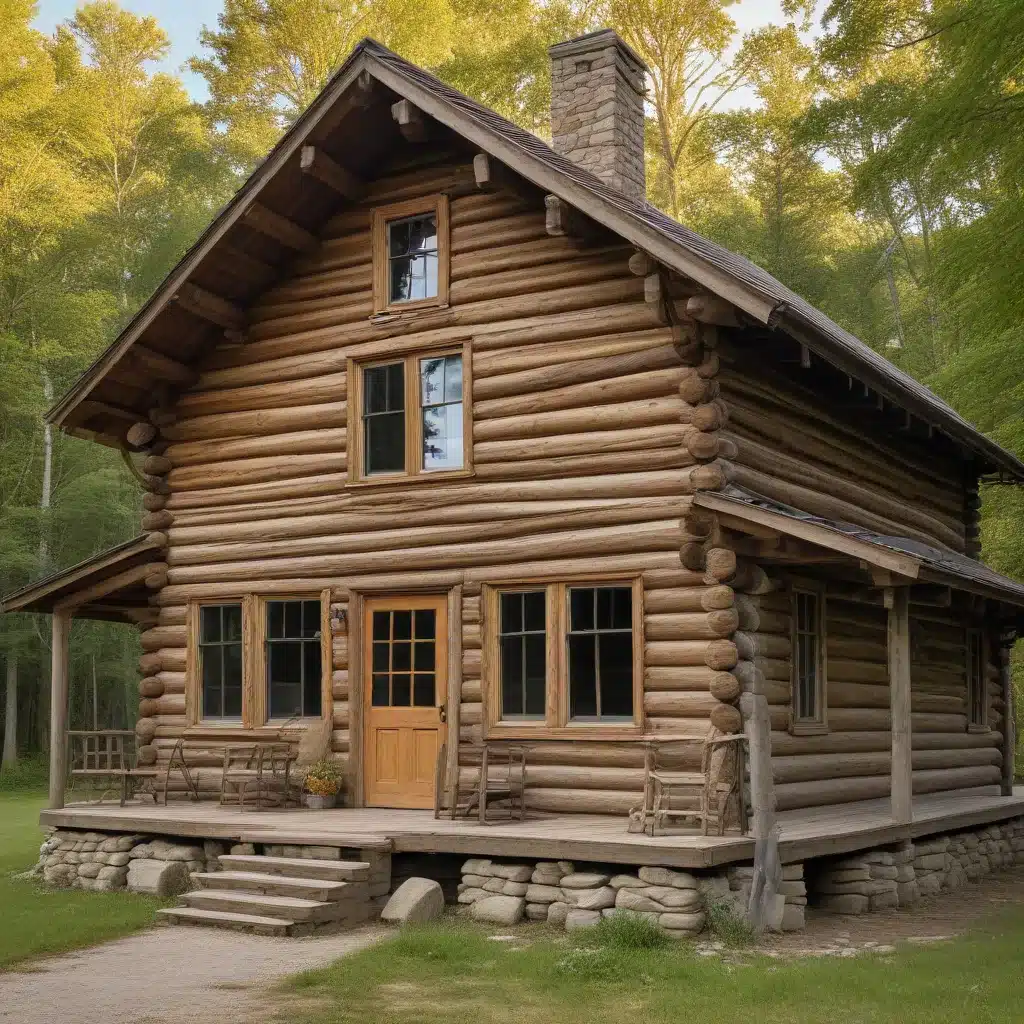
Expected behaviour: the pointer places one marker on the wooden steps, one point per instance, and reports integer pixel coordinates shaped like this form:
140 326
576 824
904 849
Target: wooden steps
277 895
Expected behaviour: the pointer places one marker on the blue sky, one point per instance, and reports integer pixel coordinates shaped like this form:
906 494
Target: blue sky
183 19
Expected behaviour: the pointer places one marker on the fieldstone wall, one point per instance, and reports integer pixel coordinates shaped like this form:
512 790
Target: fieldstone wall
104 862
791 899
897 876
561 894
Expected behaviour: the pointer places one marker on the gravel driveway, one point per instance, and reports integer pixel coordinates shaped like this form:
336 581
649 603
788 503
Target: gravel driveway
167 976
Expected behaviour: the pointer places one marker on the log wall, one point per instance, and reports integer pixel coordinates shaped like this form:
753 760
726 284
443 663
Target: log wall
581 464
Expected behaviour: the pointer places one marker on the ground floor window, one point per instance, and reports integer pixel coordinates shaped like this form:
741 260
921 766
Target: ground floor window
808 660
977 718
564 655
293 660
220 660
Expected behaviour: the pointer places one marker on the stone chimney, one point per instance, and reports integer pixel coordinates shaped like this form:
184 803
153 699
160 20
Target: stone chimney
597 108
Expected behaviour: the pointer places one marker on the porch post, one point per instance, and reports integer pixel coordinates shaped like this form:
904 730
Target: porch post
59 705
1009 721
897 600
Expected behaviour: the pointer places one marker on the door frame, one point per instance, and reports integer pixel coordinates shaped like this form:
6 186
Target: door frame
451 589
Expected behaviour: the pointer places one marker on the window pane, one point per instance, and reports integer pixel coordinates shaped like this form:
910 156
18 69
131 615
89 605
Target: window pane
442 437
615 651
284 671
581 605
536 674
423 690
379 693
511 676
614 608
381 654
511 613
534 611
311 679
212 682
582 677
310 618
232 702
381 625
424 656
430 284
209 625
401 693
293 619
385 442
424 623
398 237
275 619
432 374
422 233
401 656
232 622
453 379
402 625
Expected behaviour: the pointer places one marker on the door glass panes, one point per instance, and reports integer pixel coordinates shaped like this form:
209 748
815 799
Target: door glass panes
403 658
294 664
807 657
412 258
600 653
441 403
522 649
220 659
384 418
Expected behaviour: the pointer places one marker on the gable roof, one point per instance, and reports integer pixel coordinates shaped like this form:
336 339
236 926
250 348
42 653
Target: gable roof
727 274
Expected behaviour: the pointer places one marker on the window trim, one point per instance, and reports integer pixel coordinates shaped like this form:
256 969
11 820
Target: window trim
819 723
380 218
556 723
260 696
413 471
982 681
194 665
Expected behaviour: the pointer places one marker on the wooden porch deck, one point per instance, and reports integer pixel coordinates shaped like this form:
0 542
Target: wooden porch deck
811 833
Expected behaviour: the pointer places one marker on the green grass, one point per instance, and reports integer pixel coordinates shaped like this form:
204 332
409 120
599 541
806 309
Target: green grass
452 973
34 920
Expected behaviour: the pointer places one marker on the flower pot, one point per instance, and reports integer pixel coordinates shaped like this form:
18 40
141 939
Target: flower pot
316 802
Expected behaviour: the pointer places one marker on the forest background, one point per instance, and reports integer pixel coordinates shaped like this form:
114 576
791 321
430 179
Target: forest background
874 162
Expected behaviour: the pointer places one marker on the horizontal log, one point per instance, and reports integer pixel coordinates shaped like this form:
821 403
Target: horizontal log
717 654
955 778
634 439
689 599
275 490
762 645
690 625
260 422
792 795
687 677
680 704
296 442
548 353
578 465
255 471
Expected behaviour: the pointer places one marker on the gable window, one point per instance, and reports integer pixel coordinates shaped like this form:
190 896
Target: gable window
563 657
808 700
408 415
293 658
976 705
220 661
410 254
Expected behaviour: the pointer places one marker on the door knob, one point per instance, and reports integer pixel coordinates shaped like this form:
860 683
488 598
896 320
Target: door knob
442 712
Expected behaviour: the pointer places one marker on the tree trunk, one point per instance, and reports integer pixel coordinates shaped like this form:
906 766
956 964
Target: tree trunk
45 497
10 755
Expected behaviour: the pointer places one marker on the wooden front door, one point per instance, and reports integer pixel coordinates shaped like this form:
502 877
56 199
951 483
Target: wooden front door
405 672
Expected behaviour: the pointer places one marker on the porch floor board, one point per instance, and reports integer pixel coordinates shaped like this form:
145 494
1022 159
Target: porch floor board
814 832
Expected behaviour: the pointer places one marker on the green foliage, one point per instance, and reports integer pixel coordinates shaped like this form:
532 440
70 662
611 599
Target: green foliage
725 923
29 775
624 930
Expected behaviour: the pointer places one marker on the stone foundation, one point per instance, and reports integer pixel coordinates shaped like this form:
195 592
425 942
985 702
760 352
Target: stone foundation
791 899
897 876
573 897
104 862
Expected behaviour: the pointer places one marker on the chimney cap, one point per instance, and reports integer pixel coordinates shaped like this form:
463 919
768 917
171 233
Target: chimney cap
594 42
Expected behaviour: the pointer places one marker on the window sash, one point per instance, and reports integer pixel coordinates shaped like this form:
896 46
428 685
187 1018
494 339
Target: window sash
976 681
808 647
308 648
429 255
428 258
522 640
216 653
595 632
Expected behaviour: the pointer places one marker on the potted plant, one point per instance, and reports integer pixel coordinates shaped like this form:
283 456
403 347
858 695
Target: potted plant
322 782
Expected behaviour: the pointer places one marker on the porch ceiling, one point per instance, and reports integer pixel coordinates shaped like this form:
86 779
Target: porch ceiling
110 585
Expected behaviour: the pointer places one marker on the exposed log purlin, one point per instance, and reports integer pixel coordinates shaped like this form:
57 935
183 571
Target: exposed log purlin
317 164
281 229
410 121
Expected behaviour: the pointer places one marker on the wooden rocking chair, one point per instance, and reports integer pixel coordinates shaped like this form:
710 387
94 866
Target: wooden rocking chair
703 797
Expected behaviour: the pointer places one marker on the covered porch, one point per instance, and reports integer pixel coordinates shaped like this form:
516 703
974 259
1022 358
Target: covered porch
113 586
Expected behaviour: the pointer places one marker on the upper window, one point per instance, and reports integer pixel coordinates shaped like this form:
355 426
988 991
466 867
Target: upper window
293 659
808 661
410 254
220 660
976 709
565 655
410 414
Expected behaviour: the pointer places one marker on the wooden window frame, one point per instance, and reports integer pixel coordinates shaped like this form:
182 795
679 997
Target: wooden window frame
259 656
805 726
194 668
381 217
979 634
556 723
413 471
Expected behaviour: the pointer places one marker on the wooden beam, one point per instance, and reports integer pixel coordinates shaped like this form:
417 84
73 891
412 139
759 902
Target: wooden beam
898 643
162 366
557 215
103 588
710 309
209 306
244 264
410 120
358 96
61 629
140 435
281 229
317 164
94 407
641 264
654 297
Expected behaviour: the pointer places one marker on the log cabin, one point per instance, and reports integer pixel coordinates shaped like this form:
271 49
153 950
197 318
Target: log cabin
447 436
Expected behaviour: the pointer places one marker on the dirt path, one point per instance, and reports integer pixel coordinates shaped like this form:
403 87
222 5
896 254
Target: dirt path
167 976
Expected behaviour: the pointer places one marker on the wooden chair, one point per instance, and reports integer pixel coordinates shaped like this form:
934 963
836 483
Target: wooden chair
100 756
260 768
501 777
703 797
